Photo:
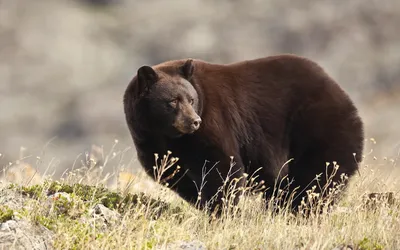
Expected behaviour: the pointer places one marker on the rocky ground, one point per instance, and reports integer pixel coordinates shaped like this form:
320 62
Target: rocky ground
73 215
65 64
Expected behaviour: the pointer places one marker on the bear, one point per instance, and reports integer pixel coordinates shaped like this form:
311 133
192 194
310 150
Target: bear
280 117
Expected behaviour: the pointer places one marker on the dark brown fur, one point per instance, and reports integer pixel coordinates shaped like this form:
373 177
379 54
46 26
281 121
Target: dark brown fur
262 112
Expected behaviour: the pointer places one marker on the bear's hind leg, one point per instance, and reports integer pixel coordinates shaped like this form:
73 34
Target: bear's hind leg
312 174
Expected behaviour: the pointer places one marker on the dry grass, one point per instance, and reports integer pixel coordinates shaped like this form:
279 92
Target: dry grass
352 222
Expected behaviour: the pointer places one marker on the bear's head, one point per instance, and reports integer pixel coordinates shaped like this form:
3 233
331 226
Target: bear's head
168 102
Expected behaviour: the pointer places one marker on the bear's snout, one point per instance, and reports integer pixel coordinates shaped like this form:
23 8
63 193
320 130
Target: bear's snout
195 125
188 124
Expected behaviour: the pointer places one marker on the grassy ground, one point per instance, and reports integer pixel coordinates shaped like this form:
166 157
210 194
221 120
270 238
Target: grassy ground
158 219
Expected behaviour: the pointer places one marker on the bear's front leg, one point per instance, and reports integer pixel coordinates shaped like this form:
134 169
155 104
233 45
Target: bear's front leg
221 185
183 185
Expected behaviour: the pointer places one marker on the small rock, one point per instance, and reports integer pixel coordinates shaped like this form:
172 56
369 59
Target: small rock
109 216
101 217
187 245
343 247
10 225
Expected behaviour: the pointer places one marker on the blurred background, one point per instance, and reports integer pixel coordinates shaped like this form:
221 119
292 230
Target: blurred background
64 65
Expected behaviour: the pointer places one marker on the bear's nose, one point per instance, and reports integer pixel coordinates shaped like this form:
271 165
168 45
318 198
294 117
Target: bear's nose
196 123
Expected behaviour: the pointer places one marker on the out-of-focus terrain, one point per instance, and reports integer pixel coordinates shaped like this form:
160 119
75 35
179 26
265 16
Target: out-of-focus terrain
64 64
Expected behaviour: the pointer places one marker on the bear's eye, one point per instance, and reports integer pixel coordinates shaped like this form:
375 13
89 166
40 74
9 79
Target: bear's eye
191 101
174 103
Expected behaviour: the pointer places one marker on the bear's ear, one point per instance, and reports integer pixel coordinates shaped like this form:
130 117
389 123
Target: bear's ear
187 69
146 77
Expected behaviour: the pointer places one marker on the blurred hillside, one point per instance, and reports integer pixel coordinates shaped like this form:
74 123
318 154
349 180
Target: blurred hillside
64 64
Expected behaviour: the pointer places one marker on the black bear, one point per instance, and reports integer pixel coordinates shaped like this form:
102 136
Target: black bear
280 115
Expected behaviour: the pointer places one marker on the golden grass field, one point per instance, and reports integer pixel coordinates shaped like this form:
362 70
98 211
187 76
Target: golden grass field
146 225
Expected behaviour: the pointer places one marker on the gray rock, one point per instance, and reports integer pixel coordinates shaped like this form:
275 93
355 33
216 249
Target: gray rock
187 245
101 217
20 234
12 199
109 216
343 247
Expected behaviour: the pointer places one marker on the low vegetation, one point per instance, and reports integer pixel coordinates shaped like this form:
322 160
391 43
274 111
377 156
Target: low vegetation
92 216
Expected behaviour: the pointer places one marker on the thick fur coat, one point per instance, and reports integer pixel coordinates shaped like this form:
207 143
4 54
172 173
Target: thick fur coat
262 112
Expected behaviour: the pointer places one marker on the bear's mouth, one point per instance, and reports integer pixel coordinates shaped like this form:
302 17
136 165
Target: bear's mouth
187 131
176 133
